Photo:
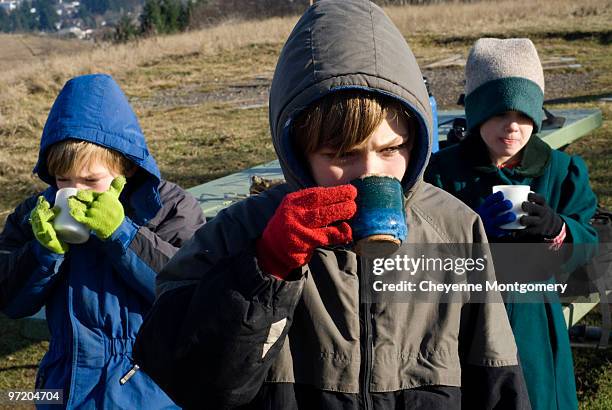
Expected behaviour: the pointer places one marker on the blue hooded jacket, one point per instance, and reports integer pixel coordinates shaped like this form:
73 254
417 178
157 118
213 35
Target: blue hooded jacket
97 293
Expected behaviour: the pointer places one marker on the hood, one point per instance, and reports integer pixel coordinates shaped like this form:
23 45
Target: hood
339 45
93 108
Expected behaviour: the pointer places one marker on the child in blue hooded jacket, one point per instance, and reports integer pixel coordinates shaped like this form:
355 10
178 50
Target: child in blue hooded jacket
97 292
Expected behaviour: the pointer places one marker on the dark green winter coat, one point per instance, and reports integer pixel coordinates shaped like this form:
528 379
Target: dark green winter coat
465 170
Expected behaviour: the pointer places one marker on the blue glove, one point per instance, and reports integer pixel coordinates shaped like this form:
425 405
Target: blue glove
490 211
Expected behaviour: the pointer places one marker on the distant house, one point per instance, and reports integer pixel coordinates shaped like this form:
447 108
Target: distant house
69 7
75 32
9 5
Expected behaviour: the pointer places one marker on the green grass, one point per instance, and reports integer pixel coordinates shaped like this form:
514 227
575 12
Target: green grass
19 356
207 73
195 152
596 150
593 369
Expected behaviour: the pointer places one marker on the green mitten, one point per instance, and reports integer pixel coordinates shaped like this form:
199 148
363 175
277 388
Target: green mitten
101 212
41 219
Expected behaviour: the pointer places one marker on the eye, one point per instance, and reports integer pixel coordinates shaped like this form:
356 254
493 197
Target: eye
395 148
345 156
92 180
334 157
61 179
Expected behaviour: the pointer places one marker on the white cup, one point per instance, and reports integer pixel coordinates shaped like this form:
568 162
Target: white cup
517 194
66 227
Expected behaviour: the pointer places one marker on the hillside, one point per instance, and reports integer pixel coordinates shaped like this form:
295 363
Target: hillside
19 50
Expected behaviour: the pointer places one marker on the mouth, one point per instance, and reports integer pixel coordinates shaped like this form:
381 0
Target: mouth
509 141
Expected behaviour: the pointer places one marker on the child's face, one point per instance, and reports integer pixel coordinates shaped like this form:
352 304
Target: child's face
386 151
95 176
506 134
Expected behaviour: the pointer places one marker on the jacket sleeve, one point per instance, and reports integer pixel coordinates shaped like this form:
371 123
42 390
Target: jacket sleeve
138 253
578 203
491 376
27 269
216 337
234 323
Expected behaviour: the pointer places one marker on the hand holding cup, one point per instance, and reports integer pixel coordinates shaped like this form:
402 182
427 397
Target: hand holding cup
516 194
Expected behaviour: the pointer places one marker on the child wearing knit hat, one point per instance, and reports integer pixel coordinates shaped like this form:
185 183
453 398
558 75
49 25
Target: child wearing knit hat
503 105
503 75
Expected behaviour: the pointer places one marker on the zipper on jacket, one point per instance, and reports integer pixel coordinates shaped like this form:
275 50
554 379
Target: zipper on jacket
130 373
365 317
75 343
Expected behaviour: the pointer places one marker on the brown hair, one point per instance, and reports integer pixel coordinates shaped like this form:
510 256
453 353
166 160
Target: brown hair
70 155
343 120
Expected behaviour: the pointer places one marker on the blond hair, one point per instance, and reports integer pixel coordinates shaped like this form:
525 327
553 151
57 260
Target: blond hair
344 120
72 155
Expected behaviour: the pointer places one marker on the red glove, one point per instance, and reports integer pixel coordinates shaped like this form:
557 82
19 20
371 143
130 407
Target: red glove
303 222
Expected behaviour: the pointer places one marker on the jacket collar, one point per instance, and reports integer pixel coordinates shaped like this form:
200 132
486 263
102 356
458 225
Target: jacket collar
536 157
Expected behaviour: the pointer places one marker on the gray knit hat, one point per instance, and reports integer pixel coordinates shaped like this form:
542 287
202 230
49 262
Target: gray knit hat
503 75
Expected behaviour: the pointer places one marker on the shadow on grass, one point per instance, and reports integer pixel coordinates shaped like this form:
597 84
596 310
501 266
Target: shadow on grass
603 37
20 367
578 99
11 339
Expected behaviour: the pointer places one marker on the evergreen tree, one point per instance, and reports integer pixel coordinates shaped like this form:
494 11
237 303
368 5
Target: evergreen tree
88 18
4 21
125 30
21 19
96 6
186 14
171 12
46 15
151 20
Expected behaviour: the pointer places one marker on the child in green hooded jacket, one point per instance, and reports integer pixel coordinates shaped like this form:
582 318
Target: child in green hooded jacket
503 106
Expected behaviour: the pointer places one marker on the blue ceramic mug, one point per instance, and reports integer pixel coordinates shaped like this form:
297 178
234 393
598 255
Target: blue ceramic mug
379 225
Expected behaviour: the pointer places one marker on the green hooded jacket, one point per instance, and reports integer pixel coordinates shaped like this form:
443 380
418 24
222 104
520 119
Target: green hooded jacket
465 171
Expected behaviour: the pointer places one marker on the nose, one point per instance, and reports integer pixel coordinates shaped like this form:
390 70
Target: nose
78 185
360 166
512 125
370 164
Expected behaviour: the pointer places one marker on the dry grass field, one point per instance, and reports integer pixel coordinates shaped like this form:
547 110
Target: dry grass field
18 51
201 96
